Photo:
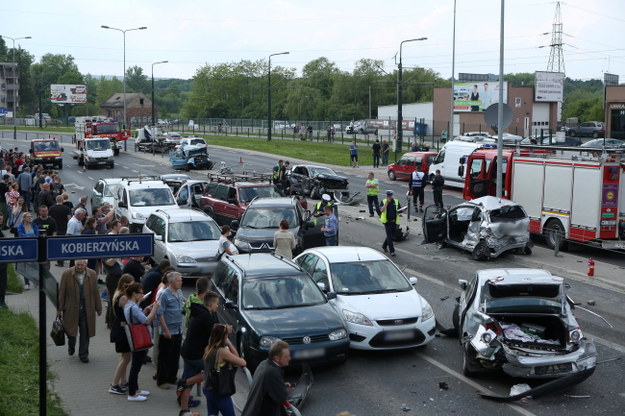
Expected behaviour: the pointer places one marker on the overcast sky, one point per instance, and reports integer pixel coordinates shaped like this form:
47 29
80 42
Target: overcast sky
190 34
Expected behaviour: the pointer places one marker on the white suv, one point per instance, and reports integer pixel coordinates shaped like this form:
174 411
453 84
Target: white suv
137 198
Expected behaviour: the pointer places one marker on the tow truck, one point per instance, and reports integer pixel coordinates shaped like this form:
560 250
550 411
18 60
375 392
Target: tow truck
98 127
569 195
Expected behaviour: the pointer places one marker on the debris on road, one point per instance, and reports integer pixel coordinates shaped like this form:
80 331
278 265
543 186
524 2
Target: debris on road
519 388
404 407
443 386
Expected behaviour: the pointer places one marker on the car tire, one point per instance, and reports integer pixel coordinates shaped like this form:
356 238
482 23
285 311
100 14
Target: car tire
116 151
112 165
551 229
60 166
391 175
209 211
572 133
455 318
470 366
481 252
187 167
595 135
527 250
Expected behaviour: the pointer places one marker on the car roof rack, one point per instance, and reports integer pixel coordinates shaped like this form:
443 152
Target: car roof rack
140 178
233 178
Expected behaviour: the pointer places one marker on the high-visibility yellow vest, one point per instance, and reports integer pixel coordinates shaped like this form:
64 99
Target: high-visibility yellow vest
375 190
383 216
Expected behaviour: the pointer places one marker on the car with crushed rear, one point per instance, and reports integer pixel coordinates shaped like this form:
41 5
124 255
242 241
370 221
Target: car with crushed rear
381 306
267 298
522 322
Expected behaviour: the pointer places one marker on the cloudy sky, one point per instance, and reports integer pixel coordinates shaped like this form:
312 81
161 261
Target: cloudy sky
190 34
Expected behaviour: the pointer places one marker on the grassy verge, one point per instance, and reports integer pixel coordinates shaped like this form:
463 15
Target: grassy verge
46 129
19 372
321 152
14 282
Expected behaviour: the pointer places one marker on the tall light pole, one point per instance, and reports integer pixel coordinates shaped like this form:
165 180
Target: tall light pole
450 133
15 91
400 99
124 81
269 95
153 112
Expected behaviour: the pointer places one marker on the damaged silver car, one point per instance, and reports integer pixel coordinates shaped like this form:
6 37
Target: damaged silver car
485 227
520 321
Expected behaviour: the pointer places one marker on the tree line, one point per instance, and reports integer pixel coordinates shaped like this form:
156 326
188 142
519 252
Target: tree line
238 90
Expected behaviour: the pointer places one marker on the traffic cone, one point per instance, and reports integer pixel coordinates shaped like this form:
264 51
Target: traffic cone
241 159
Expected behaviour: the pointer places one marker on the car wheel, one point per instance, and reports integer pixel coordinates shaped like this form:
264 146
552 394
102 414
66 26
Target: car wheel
60 166
391 175
112 165
455 318
572 133
595 135
480 252
209 211
554 235
470 366
527 250
187 167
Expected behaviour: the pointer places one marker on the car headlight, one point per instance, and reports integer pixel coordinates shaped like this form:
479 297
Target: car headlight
338 334
268 341
356 318
426 312
243 245
575 335
137 216
185 259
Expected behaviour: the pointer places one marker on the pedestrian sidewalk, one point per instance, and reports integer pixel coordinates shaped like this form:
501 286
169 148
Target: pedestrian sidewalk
83 388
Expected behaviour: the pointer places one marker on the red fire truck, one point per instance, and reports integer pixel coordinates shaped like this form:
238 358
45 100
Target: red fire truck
568 195
98 127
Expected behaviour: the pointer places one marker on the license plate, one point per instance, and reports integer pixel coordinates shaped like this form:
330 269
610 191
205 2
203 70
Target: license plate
398 335
102 163
307 354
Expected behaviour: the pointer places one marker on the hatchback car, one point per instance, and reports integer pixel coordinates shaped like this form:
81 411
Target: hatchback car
380 305
105 190
593 129
266 299
600 143
261 220
403 168
188 238
486 227
520 321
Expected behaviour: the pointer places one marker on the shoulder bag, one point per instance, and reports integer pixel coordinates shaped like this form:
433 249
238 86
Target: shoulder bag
222 378
139 336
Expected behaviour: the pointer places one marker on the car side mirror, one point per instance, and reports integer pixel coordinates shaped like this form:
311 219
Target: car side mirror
321 286
413 281
228 304
463 284
158 237
122 205
463 160
234 224
461 171
331 295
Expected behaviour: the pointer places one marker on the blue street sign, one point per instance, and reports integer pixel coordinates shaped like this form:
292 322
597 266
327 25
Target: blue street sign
99 246
3 110
14 250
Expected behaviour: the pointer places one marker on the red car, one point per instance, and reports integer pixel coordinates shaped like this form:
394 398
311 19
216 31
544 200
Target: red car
403 168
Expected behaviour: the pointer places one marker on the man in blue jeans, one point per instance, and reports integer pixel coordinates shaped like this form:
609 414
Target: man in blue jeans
331 228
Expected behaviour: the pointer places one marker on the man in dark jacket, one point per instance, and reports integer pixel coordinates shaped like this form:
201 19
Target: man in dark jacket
203 317
152 279
437 189
269 391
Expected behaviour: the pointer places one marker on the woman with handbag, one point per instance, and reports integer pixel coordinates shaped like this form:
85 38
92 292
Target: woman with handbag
118 335
220 359
134 315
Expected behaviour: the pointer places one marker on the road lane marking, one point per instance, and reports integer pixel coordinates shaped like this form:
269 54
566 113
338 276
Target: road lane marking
470 382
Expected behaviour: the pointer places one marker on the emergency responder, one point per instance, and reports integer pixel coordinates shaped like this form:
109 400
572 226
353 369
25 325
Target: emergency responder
277 171
373 190
325 201
390 215
416 188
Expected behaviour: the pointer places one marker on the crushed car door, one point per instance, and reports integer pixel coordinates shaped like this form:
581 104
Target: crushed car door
434 224
311 234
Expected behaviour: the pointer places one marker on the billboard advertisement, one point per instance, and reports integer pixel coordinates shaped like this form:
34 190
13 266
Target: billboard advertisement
477 96
68 94
549 86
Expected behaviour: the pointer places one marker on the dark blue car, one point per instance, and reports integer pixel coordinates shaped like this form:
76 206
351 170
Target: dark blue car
267 298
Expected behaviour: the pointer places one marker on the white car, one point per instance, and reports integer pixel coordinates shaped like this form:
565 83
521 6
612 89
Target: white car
380 305
187 141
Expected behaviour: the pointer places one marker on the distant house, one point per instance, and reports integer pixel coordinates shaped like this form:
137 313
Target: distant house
138 108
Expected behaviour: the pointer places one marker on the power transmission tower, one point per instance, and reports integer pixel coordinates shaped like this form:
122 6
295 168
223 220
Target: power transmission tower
556 57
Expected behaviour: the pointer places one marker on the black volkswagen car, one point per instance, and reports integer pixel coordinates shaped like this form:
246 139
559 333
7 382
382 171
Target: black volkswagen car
261 220
266 299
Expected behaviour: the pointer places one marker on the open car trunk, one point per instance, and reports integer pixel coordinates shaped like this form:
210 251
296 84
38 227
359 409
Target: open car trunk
533 332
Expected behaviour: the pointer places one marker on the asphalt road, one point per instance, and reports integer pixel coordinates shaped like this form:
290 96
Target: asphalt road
384 383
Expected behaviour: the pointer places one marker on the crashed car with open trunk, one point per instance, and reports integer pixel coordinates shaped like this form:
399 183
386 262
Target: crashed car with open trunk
520 321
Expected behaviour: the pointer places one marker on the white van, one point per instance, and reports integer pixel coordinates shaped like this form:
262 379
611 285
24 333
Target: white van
448 160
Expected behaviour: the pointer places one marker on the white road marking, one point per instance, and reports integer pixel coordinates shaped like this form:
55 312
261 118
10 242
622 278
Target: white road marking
135 170
470 382
90 178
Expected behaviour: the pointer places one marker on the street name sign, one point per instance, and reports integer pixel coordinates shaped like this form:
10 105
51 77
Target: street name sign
18 249
99 246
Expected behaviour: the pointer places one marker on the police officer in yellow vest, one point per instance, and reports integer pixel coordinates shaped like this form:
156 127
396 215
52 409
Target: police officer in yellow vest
373 190
390 215
319 207
276 171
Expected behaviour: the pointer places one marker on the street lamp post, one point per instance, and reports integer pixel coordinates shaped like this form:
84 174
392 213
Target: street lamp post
15 91
153 112
400 99
124 79
269 95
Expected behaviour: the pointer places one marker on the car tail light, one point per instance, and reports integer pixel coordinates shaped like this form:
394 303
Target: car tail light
575 335
493 326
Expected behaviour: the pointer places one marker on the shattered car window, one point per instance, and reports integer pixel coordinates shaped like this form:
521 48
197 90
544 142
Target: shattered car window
507 214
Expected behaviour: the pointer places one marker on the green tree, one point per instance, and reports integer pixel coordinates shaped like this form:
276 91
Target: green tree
137 81
105 88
